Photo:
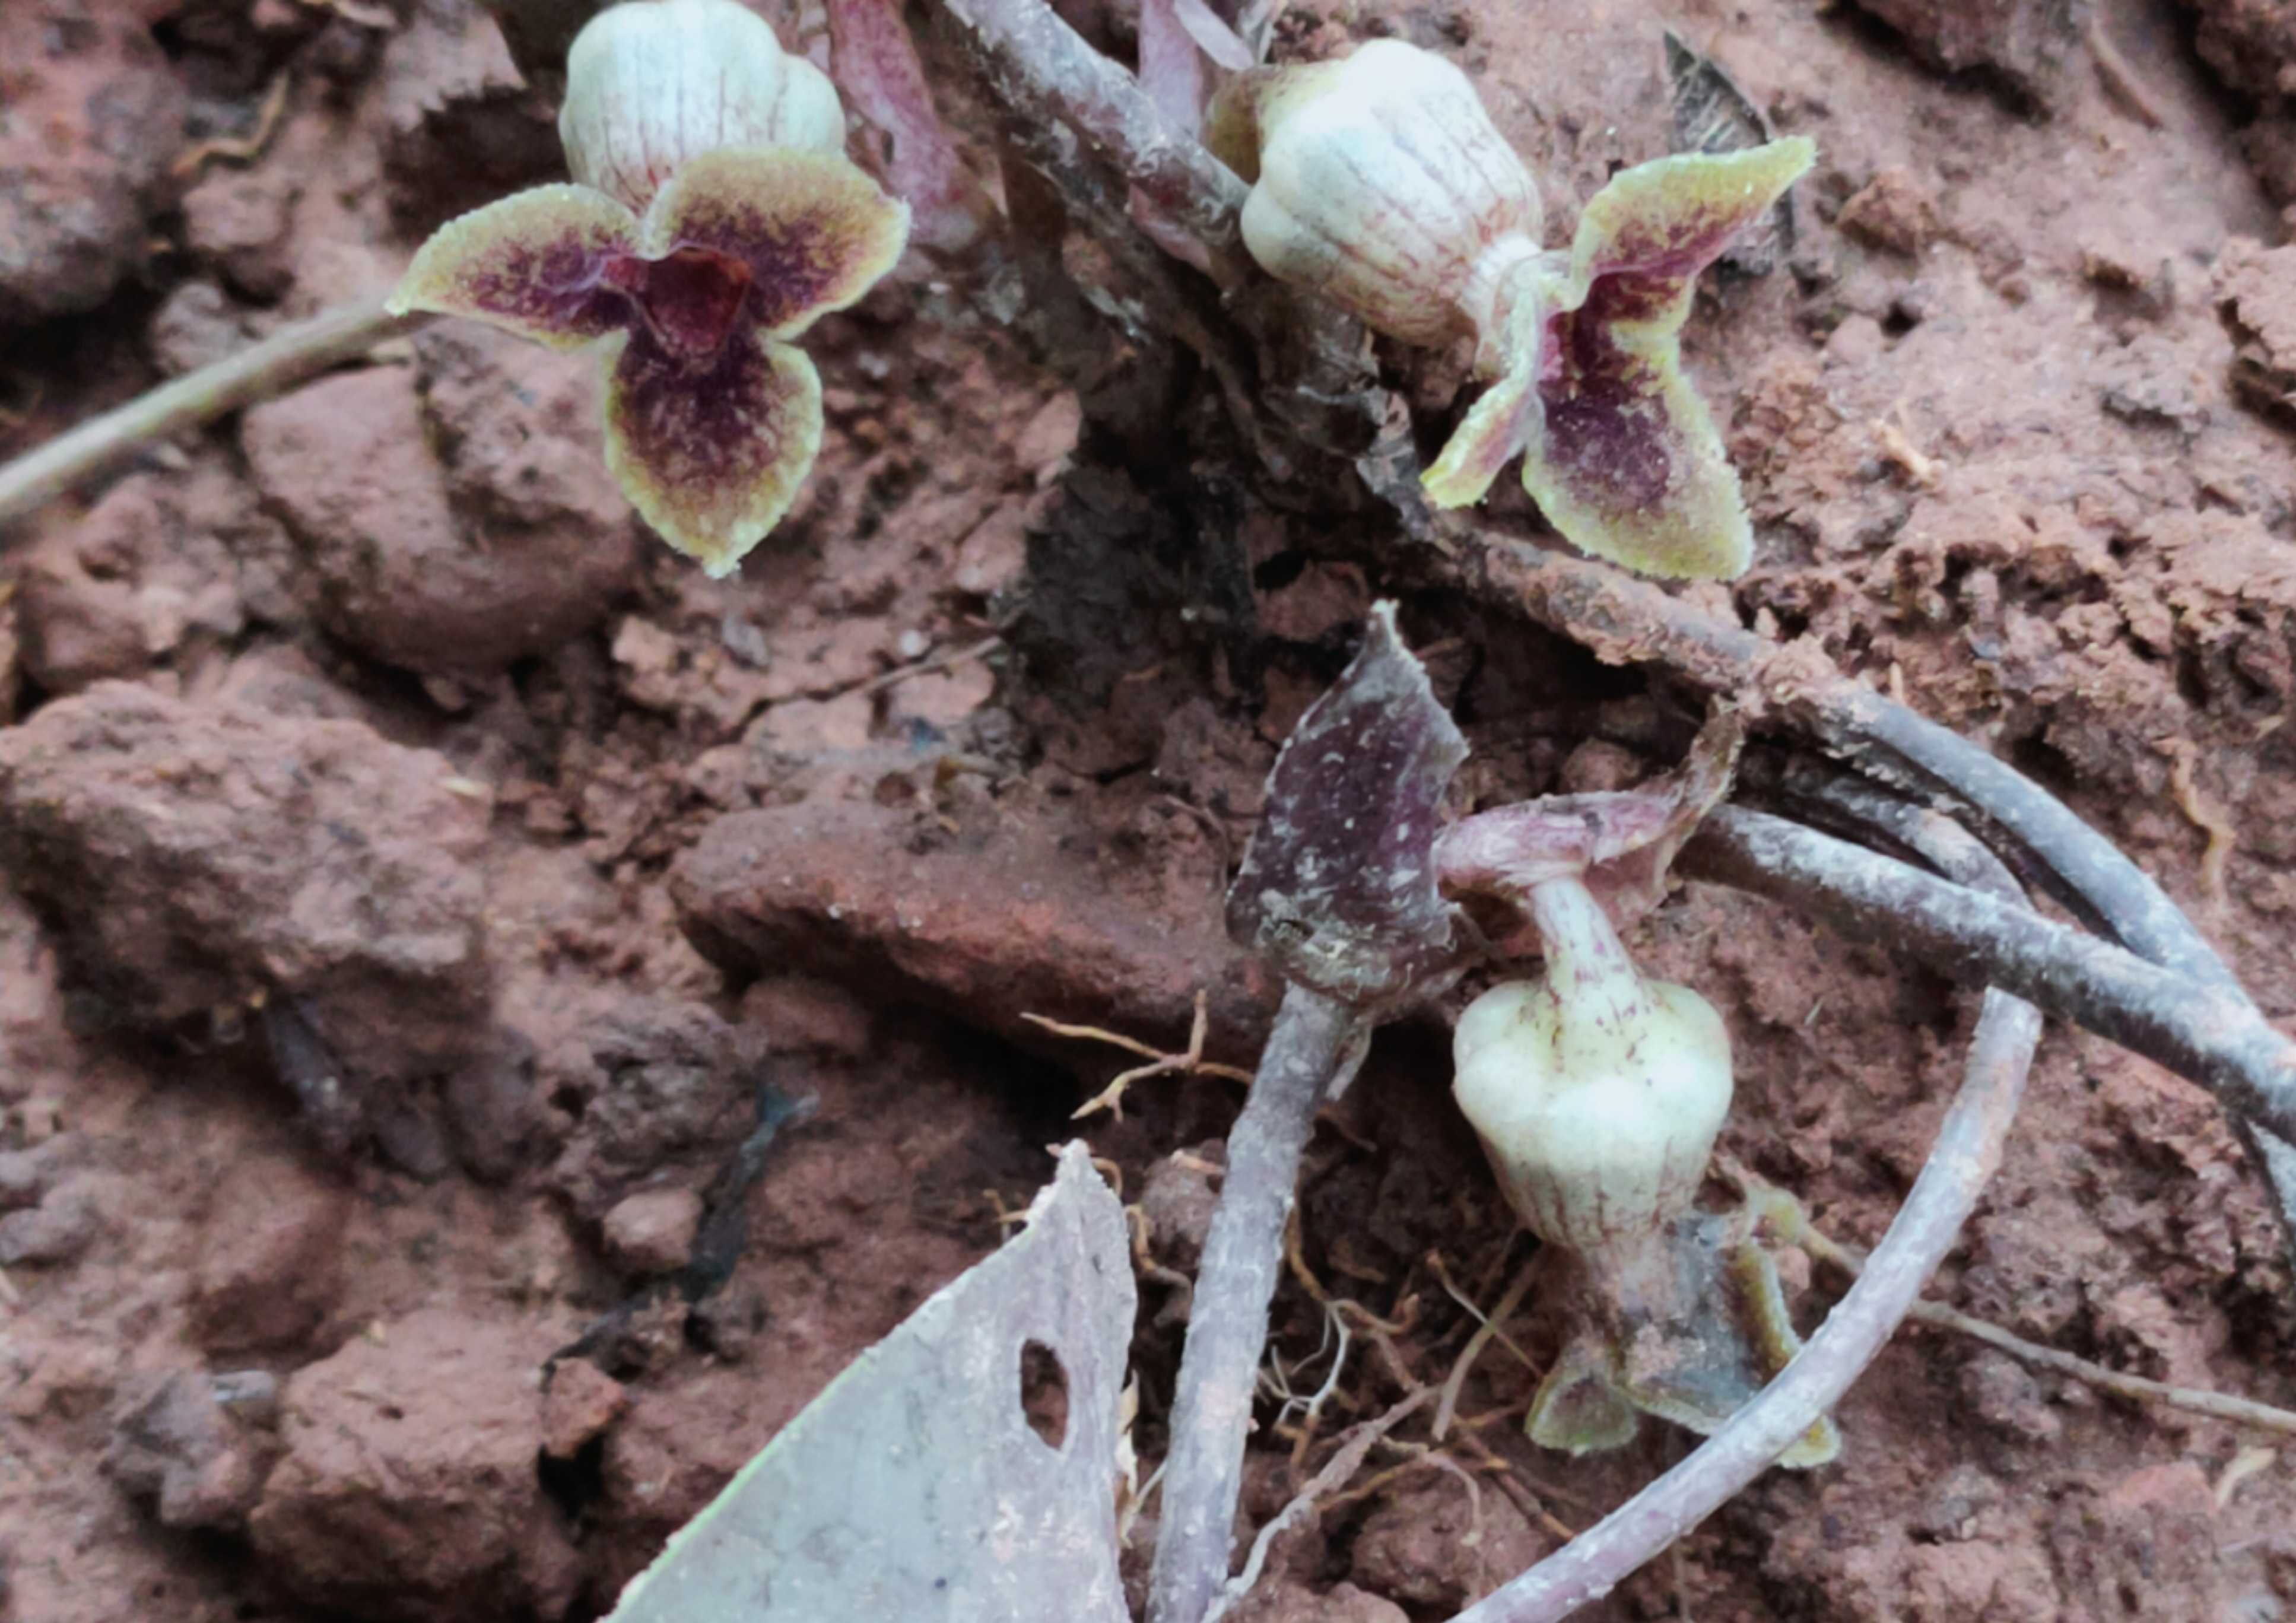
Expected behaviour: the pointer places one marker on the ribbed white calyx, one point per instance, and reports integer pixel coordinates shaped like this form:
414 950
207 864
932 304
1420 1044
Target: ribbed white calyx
653 83
1384 186
1597 1094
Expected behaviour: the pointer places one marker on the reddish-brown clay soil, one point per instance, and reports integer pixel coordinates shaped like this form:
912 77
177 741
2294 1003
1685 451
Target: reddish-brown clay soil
414 872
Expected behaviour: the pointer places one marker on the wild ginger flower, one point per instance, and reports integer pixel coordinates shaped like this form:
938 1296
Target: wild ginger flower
712 221
1598 1094
1380 181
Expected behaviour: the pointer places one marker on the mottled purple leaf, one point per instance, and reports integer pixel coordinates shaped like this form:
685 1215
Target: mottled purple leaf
1338 889
1622 843
534 264
814 232
711 454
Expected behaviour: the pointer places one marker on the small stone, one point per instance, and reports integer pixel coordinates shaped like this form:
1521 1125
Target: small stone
270 1269
581 1402
1050 435
458 522
1955 1503
94 117
1894 211
79 627
239 221
491 1121
1413 1548
2025 44
175 1443
745 640
1019 913
664 1090
407 1493
197 851
2007 1397
196 325
250 1394
727 1323
1178 1198
58 1230
942 699
23 1179
807 727
652 1232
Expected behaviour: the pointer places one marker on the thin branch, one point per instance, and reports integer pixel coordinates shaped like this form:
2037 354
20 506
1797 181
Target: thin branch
1625 621
2215 1037
1967 1150
1315 1046
1038 64
2124 911
2216 1405
283 359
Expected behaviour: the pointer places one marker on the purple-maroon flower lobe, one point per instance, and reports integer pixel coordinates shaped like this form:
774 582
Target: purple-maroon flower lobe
712 417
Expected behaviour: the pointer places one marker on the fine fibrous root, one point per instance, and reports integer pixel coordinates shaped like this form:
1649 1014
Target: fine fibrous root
1797 1228
1190 1061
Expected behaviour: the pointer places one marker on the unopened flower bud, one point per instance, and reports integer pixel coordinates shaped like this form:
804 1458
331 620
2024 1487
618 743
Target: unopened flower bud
652 83
1597 1094
1383 184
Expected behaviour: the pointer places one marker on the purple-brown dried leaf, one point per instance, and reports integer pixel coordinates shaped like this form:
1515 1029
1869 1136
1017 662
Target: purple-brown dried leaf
1338 889
874 61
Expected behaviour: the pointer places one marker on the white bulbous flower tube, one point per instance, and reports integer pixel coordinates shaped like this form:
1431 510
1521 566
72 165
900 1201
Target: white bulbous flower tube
1383 184
652 84
1597 1094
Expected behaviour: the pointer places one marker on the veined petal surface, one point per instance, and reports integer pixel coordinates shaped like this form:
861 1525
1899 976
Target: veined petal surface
814 231
532 264
1626 461
712 455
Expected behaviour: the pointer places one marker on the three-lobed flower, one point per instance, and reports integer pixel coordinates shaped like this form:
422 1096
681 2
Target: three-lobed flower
712 218
1380 182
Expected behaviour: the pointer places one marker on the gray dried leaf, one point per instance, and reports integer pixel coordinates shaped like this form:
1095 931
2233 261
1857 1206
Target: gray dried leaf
915 1487
1338 887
